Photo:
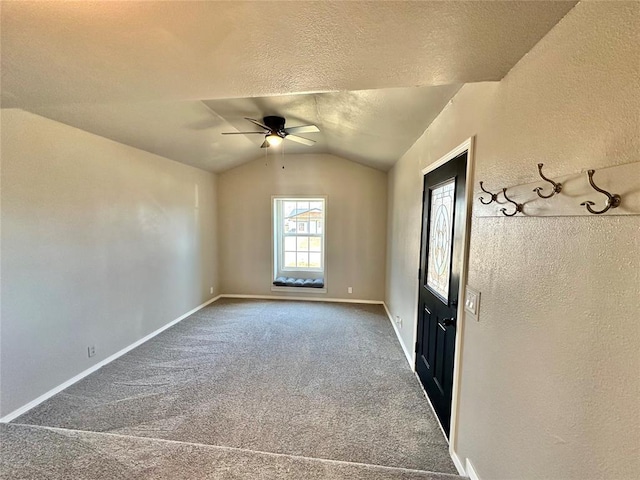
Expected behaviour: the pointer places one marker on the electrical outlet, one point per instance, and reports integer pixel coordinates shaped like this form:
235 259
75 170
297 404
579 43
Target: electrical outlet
211 290
350 290
91 350
399 321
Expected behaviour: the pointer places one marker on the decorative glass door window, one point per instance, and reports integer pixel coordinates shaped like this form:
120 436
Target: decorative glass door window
440 238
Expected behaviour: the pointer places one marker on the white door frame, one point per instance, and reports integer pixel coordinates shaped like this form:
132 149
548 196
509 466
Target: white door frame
466 146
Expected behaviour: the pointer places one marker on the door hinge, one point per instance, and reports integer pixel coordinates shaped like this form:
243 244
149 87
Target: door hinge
419 273
417 347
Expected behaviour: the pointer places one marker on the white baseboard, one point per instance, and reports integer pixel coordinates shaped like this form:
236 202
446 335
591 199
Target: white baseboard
305 299
471 472
457 462
404 347
25 408
465 469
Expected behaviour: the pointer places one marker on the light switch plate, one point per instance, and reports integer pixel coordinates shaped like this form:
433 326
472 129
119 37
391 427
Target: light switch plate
472 301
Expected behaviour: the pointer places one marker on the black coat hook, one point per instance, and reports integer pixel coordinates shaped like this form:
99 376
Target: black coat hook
494 196
557 187
518 205
613 200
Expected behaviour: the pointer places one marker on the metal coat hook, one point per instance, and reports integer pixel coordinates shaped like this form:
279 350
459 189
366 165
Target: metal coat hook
494 196
613 200
557 187
518 205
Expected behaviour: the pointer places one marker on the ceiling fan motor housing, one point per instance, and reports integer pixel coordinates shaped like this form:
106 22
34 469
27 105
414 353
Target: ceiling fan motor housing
276 124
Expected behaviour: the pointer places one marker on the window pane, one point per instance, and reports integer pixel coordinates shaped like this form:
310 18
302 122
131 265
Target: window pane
314 260
289 213
290 244
290 259
303 259
288 209
302 216
303 244
315 244
289 225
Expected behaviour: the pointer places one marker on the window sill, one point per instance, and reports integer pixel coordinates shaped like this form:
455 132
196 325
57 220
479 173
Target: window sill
304 290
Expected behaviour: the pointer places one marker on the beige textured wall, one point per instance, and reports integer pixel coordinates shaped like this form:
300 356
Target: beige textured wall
551 372
356 223
101 244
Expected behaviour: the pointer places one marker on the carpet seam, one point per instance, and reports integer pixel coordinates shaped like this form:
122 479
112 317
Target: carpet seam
236 449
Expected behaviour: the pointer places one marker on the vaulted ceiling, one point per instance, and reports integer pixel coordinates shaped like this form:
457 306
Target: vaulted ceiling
169 77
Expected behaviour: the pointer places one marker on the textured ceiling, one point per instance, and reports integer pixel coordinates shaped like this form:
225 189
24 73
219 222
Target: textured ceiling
159 75
372 127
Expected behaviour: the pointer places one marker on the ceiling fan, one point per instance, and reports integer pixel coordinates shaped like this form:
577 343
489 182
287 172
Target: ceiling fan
274 131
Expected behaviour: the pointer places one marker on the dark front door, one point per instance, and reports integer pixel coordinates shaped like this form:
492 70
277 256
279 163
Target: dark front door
440 268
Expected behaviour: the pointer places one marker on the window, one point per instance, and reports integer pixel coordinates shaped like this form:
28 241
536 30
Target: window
299 237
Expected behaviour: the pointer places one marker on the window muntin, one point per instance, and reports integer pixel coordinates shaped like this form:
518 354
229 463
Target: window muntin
299 234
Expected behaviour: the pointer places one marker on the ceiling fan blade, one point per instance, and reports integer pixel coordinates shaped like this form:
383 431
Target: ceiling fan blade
242 133
304 141
302 129
258 123
265 144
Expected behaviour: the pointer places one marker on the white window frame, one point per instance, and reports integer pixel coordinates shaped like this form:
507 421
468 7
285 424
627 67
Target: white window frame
278 236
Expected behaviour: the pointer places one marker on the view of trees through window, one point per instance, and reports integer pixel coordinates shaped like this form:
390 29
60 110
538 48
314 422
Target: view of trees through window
302 233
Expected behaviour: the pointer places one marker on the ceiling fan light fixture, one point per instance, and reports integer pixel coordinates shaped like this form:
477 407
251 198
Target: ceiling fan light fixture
274 139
